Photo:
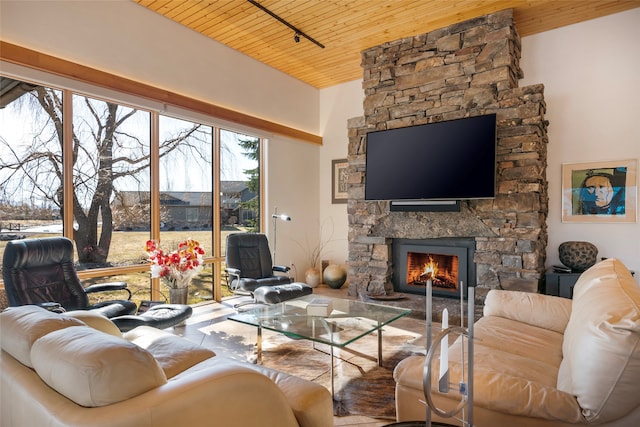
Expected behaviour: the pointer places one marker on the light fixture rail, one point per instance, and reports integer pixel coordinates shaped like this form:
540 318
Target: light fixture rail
297 31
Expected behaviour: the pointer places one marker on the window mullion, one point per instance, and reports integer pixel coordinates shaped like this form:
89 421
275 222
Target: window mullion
67 163
155 192
217 232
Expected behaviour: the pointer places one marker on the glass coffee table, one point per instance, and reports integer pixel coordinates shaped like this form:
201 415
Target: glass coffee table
335 322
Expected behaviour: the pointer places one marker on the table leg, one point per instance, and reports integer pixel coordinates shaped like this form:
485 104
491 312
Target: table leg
259 355
332 387
379 346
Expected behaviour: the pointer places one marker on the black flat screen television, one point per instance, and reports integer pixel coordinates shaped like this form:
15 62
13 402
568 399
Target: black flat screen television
451 160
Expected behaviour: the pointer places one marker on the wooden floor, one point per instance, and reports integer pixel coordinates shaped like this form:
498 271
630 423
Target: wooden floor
209 327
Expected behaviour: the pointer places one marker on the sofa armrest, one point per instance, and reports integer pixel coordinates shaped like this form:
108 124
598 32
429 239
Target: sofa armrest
256 394
544 311
210 393
311 403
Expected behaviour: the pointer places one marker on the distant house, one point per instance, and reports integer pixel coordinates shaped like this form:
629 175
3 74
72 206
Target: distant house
234 193
193 209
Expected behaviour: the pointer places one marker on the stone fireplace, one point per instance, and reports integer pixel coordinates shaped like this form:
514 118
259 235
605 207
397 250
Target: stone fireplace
467 69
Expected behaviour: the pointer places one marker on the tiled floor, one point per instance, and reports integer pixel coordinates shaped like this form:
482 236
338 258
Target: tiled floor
209 327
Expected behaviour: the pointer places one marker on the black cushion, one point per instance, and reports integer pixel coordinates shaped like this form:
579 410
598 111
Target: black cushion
253 284
249 252
160 316
279 293
114 308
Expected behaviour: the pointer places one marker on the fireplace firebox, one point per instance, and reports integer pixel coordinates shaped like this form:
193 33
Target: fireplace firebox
447 262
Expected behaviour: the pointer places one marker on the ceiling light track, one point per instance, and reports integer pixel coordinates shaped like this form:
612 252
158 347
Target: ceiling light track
298 32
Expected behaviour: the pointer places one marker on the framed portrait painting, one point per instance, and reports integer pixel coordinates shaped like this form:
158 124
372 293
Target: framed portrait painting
339 181
600 192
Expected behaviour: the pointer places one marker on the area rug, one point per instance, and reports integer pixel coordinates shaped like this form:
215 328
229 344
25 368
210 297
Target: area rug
361 386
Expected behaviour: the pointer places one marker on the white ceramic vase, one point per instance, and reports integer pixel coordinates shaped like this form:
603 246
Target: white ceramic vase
312 277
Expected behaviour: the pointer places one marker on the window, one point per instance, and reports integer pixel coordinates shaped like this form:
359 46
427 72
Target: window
239 184
186 190
117 158
31 192
111 159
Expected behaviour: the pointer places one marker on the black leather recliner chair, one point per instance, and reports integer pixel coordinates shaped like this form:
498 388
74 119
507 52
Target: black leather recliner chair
41 272
249 264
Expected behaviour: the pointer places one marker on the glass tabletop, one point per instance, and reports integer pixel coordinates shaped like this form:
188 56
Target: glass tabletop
340 323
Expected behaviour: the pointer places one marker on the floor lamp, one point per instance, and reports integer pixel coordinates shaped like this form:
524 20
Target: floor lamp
276 217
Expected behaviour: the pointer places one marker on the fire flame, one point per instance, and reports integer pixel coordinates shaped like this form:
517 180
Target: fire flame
430 269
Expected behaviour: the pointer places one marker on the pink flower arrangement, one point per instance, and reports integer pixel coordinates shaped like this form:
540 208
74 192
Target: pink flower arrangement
177 267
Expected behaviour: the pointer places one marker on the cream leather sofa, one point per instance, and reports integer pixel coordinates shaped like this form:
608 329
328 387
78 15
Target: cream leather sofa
78 370
547 361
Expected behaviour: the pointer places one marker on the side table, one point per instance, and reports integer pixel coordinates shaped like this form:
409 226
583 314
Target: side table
560 284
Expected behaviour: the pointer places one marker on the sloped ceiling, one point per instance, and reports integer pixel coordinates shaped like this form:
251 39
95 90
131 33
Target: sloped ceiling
346 27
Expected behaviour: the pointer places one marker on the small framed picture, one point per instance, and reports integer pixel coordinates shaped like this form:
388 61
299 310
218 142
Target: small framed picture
339 181
600 192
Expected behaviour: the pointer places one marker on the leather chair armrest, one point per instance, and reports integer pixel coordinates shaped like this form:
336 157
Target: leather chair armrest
111 286
52 306
233 271
281 268
234 274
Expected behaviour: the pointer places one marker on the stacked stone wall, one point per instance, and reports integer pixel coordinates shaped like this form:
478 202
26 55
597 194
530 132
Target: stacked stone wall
468 69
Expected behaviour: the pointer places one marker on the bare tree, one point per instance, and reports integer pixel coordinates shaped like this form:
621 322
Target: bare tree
107 147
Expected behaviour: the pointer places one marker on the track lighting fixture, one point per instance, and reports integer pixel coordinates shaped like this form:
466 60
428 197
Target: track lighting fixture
297 34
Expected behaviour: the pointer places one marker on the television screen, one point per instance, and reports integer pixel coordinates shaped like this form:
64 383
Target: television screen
451 160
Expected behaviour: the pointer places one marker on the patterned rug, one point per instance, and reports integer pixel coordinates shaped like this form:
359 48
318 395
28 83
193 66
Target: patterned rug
361 386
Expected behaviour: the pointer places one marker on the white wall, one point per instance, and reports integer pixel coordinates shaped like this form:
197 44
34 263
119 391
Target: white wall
125 39
337 105
590 74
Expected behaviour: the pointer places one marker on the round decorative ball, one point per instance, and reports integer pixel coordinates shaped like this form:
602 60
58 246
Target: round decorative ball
578 256
334 276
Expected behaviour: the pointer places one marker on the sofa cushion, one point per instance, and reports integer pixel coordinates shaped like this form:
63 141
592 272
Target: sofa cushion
96 321
543 311
173 353
601 347
94 369
525 340
22 326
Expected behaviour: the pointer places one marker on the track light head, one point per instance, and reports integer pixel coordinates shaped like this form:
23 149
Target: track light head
281 217
296 37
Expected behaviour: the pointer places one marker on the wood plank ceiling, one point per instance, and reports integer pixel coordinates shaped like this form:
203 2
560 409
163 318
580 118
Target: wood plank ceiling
346 27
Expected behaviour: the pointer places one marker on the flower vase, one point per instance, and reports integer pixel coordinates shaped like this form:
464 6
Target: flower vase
312 277
178 295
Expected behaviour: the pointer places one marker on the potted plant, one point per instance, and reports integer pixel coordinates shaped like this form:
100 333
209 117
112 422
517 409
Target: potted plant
313 275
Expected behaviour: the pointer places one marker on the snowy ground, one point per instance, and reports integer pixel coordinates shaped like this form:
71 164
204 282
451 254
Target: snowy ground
50 228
